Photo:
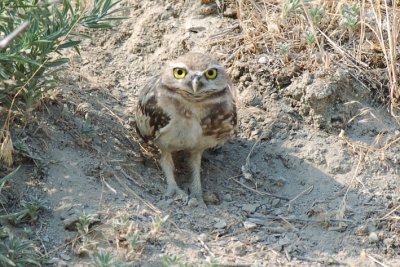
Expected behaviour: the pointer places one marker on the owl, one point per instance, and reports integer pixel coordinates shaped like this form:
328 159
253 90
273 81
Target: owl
190 106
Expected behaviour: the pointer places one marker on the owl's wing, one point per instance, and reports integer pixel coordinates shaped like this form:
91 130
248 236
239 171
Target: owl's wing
234 119
150 117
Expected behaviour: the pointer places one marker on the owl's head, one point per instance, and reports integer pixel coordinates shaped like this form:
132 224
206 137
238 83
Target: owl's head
195 74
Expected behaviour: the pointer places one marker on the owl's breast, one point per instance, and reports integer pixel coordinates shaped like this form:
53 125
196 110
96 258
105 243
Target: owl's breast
181 133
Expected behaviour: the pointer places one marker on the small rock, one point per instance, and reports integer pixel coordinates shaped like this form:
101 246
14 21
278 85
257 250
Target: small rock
274 96
70 222
361 230
373 237
118 168
203 237
211 198
342 134
228 197
53 261
57 262
230 13
193 202
262 60
220 224
250 208
65 257
249 225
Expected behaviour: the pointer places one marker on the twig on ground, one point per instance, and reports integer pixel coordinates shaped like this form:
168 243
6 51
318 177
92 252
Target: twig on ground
324 261
389 213
131 178
260 193
262 219
307 191
376 261
206 247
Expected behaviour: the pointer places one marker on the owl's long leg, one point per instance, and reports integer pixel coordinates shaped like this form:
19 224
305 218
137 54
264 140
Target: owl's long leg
195 187
167 165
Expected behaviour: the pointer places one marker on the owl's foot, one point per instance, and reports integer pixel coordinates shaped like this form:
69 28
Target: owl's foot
174 190
202 204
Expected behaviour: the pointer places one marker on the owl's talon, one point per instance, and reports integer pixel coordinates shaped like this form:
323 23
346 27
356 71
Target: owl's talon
176 191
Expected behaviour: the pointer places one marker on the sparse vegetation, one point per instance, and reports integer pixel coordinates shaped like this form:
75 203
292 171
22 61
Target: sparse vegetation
102 259
350 16
29 66
17 252
158 222
174 261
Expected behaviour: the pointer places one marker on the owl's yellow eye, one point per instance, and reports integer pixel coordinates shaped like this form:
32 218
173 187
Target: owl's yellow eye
179 73
211 74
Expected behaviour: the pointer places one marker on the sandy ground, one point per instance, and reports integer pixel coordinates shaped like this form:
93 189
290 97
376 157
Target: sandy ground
311 179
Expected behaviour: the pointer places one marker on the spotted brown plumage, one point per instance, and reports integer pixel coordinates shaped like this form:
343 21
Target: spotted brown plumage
190 106
150 112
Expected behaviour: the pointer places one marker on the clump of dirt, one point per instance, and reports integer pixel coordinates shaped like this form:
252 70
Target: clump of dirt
310 179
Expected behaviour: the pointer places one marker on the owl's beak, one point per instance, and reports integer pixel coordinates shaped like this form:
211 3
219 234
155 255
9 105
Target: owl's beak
195 83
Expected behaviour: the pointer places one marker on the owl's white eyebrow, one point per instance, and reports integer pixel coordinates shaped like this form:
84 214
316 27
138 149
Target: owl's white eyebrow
219 67
178 65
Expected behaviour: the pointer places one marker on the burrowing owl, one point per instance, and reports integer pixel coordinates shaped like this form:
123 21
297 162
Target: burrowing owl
189 107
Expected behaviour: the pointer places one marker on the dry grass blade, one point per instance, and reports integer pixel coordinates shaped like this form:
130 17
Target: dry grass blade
386 216
386 30
376 261
260 193
307 191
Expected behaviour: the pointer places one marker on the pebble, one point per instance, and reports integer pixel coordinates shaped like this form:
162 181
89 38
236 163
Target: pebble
211 198
193 202
250 208
53 261
220 224
57 262
230 13
203 237
118 168
228 197
361 230
249 225
373 237
262 60
65 257
70 222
